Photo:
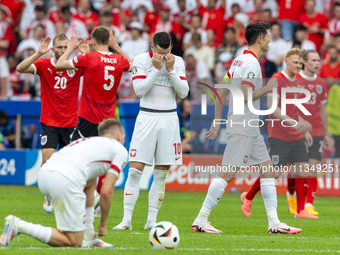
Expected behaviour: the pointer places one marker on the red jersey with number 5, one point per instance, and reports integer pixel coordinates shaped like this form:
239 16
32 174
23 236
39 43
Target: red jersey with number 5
59 94
102 74
318 89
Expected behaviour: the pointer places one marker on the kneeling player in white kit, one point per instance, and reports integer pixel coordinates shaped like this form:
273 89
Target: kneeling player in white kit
245 145
157 77
69 178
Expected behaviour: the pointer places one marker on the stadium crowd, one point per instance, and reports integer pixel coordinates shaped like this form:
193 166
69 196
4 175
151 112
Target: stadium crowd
208 34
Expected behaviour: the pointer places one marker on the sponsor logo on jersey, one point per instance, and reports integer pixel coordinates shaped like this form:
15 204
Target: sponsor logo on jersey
310 86
49 69
245 160
71 72
134 70
251 76
133 152
43 140
275 159
319 89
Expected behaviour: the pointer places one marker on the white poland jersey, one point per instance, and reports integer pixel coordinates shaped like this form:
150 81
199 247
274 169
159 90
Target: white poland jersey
88 158
245 69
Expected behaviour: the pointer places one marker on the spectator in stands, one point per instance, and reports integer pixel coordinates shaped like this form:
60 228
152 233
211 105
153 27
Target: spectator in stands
241 21
200 51
151 18
196 70
14 80
119 15
54 14
195 27
211 35
223 64
235 8
85 15
301 36
316 24
333 26
28 15
278 47
106 21
268 67
296 44
39 19
184 121
31 43
72 24
2 145
330 69
212 17
164 24
15 9
183 17
7 129
257 14
267 16
60 28
289 13
6 36
97 5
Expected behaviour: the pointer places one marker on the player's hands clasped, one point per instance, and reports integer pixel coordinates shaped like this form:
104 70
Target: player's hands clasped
157 61
170 61
303 127
43 47
213 131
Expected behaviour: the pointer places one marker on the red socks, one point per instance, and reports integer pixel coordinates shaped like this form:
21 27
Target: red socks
291 184
301 191
254 189
311 191
100 183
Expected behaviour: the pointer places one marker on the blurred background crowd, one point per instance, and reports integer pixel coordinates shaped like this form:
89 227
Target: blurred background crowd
208 34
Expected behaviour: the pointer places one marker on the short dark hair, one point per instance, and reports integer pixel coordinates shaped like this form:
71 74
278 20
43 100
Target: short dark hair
275 24
101 35
106 14
162 39
59 37
254 31
196 37
267 10
65 9
109 124
296 43
39 25
336 4
198 16
300 27
227 29
235 5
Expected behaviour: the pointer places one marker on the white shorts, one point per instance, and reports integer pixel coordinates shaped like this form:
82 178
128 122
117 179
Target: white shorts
243 151
156 136
69 201
4 70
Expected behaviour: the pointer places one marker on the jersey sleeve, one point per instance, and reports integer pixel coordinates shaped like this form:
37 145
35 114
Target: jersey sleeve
138 69
180 69
38 66
250 73
80 61
119 161
125 64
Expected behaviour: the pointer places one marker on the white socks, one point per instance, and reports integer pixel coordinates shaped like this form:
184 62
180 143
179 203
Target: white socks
268 191
156 193
131 193
89 233
36 231
215 192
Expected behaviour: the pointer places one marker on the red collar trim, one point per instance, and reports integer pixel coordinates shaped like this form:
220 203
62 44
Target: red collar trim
151 54
249 52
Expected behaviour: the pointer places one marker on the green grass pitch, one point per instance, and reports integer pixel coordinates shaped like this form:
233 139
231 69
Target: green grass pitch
241 235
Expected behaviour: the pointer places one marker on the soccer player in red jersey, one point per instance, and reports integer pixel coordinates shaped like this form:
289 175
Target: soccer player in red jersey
286 144
308 79
59 97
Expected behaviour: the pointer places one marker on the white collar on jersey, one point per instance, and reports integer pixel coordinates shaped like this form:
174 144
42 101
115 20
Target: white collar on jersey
105 52
52 62
308 78
286 75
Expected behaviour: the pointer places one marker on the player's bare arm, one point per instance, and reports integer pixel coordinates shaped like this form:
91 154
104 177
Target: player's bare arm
106 195
113 44
181 86
302 126
324 116
26 65
215 128
272 83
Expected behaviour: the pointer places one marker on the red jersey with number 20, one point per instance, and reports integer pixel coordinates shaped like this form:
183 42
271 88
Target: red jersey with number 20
318 89
59 94
102 74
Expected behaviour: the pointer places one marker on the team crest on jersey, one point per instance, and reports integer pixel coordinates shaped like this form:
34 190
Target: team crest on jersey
251 76
275 159
134 70
71 72
133 152
43 140
123 166
245 160
319 89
